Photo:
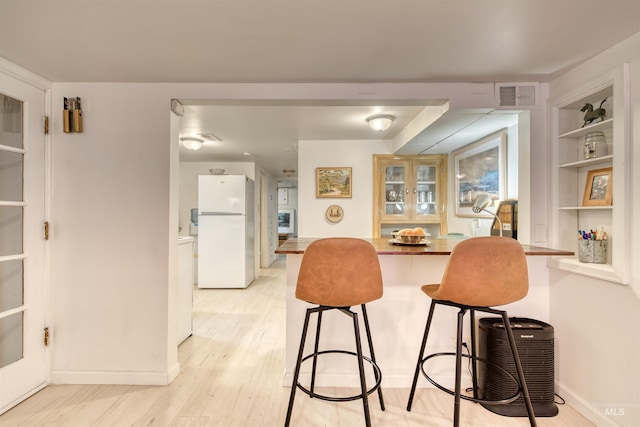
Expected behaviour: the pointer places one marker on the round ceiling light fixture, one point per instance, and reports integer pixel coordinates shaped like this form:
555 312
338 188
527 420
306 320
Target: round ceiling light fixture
191 143
380 122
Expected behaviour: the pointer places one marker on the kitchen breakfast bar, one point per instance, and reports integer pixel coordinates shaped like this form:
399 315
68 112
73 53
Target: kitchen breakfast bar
398 318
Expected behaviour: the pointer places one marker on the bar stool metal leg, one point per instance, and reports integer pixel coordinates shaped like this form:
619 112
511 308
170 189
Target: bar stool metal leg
456 401
296 372
363 384
315 353
365 318
421 355
516 359
474 356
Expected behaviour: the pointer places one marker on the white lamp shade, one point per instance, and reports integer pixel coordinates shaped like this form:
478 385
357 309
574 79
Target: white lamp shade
381 122
191 143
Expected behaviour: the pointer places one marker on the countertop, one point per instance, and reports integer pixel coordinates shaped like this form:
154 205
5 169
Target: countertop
435 247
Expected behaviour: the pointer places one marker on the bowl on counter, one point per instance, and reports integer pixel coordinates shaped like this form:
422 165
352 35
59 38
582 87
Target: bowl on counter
407 238
216 171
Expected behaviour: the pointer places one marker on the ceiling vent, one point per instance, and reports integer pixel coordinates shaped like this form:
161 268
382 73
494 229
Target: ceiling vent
522 96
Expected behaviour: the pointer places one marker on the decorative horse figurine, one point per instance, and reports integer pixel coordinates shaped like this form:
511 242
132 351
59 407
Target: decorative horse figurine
591 114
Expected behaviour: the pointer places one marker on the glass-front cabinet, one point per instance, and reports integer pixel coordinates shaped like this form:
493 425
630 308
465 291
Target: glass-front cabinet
410 191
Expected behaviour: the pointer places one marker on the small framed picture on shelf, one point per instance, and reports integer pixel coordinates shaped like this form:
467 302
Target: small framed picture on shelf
598 187
333 182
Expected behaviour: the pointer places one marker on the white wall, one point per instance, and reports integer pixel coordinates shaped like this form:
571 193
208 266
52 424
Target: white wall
358 155
115 223
113 258
596 322
268 220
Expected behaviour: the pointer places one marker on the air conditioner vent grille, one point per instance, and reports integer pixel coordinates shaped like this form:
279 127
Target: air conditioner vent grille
517 95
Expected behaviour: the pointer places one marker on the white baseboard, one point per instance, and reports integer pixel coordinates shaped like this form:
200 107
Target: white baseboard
115 377
585 409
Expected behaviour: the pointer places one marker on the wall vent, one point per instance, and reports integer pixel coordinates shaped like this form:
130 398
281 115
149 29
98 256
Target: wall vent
517 95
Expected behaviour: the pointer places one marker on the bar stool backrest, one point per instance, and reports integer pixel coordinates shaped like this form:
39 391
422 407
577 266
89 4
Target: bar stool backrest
485 272
339 272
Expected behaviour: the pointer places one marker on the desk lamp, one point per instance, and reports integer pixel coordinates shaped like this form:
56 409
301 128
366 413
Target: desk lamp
482 202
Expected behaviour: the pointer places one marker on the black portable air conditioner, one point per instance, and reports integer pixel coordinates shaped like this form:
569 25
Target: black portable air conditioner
534 340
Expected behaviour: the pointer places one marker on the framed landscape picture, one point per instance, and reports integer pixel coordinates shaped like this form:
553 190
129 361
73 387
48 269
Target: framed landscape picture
333 182
480 167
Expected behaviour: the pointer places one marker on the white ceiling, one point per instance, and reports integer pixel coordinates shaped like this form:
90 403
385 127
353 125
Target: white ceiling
302 41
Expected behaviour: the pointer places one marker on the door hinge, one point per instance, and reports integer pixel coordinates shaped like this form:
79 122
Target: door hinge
46 337
46 230
46 125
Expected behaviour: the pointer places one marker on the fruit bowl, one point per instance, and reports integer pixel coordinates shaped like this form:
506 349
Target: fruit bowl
405 238
410 235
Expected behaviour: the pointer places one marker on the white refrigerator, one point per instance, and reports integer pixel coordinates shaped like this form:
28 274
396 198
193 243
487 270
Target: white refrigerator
226 255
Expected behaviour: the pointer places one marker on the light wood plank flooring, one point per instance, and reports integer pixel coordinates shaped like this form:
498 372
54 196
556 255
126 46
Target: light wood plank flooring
231 375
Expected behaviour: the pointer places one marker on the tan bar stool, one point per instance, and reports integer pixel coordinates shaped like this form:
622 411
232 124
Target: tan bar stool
336 274
482 272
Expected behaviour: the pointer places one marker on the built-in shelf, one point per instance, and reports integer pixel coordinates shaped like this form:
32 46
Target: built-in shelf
595 127
599 271
587 162
571 170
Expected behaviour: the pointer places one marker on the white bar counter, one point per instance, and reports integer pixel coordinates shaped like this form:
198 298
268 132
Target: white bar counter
398 319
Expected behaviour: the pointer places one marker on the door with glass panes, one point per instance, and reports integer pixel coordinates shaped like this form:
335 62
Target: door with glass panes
22 244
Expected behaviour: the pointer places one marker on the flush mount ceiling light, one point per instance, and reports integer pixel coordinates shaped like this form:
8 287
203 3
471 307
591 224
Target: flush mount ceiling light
191 143
380 122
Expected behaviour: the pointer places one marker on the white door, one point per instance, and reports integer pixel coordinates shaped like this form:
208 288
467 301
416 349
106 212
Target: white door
22 247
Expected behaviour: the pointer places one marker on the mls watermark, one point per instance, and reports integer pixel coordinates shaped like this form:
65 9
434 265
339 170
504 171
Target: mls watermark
614 412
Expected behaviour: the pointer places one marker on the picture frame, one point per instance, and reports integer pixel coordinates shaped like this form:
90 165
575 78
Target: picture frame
335 182
598 188
480 167
286 221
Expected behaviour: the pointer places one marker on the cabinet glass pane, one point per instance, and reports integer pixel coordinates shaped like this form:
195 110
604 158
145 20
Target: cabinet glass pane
426 190
11 348
394 190
10 230
11 276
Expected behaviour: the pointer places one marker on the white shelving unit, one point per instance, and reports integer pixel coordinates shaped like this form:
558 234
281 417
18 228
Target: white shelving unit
570 170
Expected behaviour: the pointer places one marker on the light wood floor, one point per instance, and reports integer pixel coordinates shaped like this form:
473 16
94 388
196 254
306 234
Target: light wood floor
231 375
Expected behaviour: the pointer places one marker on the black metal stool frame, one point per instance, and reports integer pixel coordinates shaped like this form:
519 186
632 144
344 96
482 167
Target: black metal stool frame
523 390
361 358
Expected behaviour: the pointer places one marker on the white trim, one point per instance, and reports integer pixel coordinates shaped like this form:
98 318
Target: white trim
24 75
586 410
115 377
